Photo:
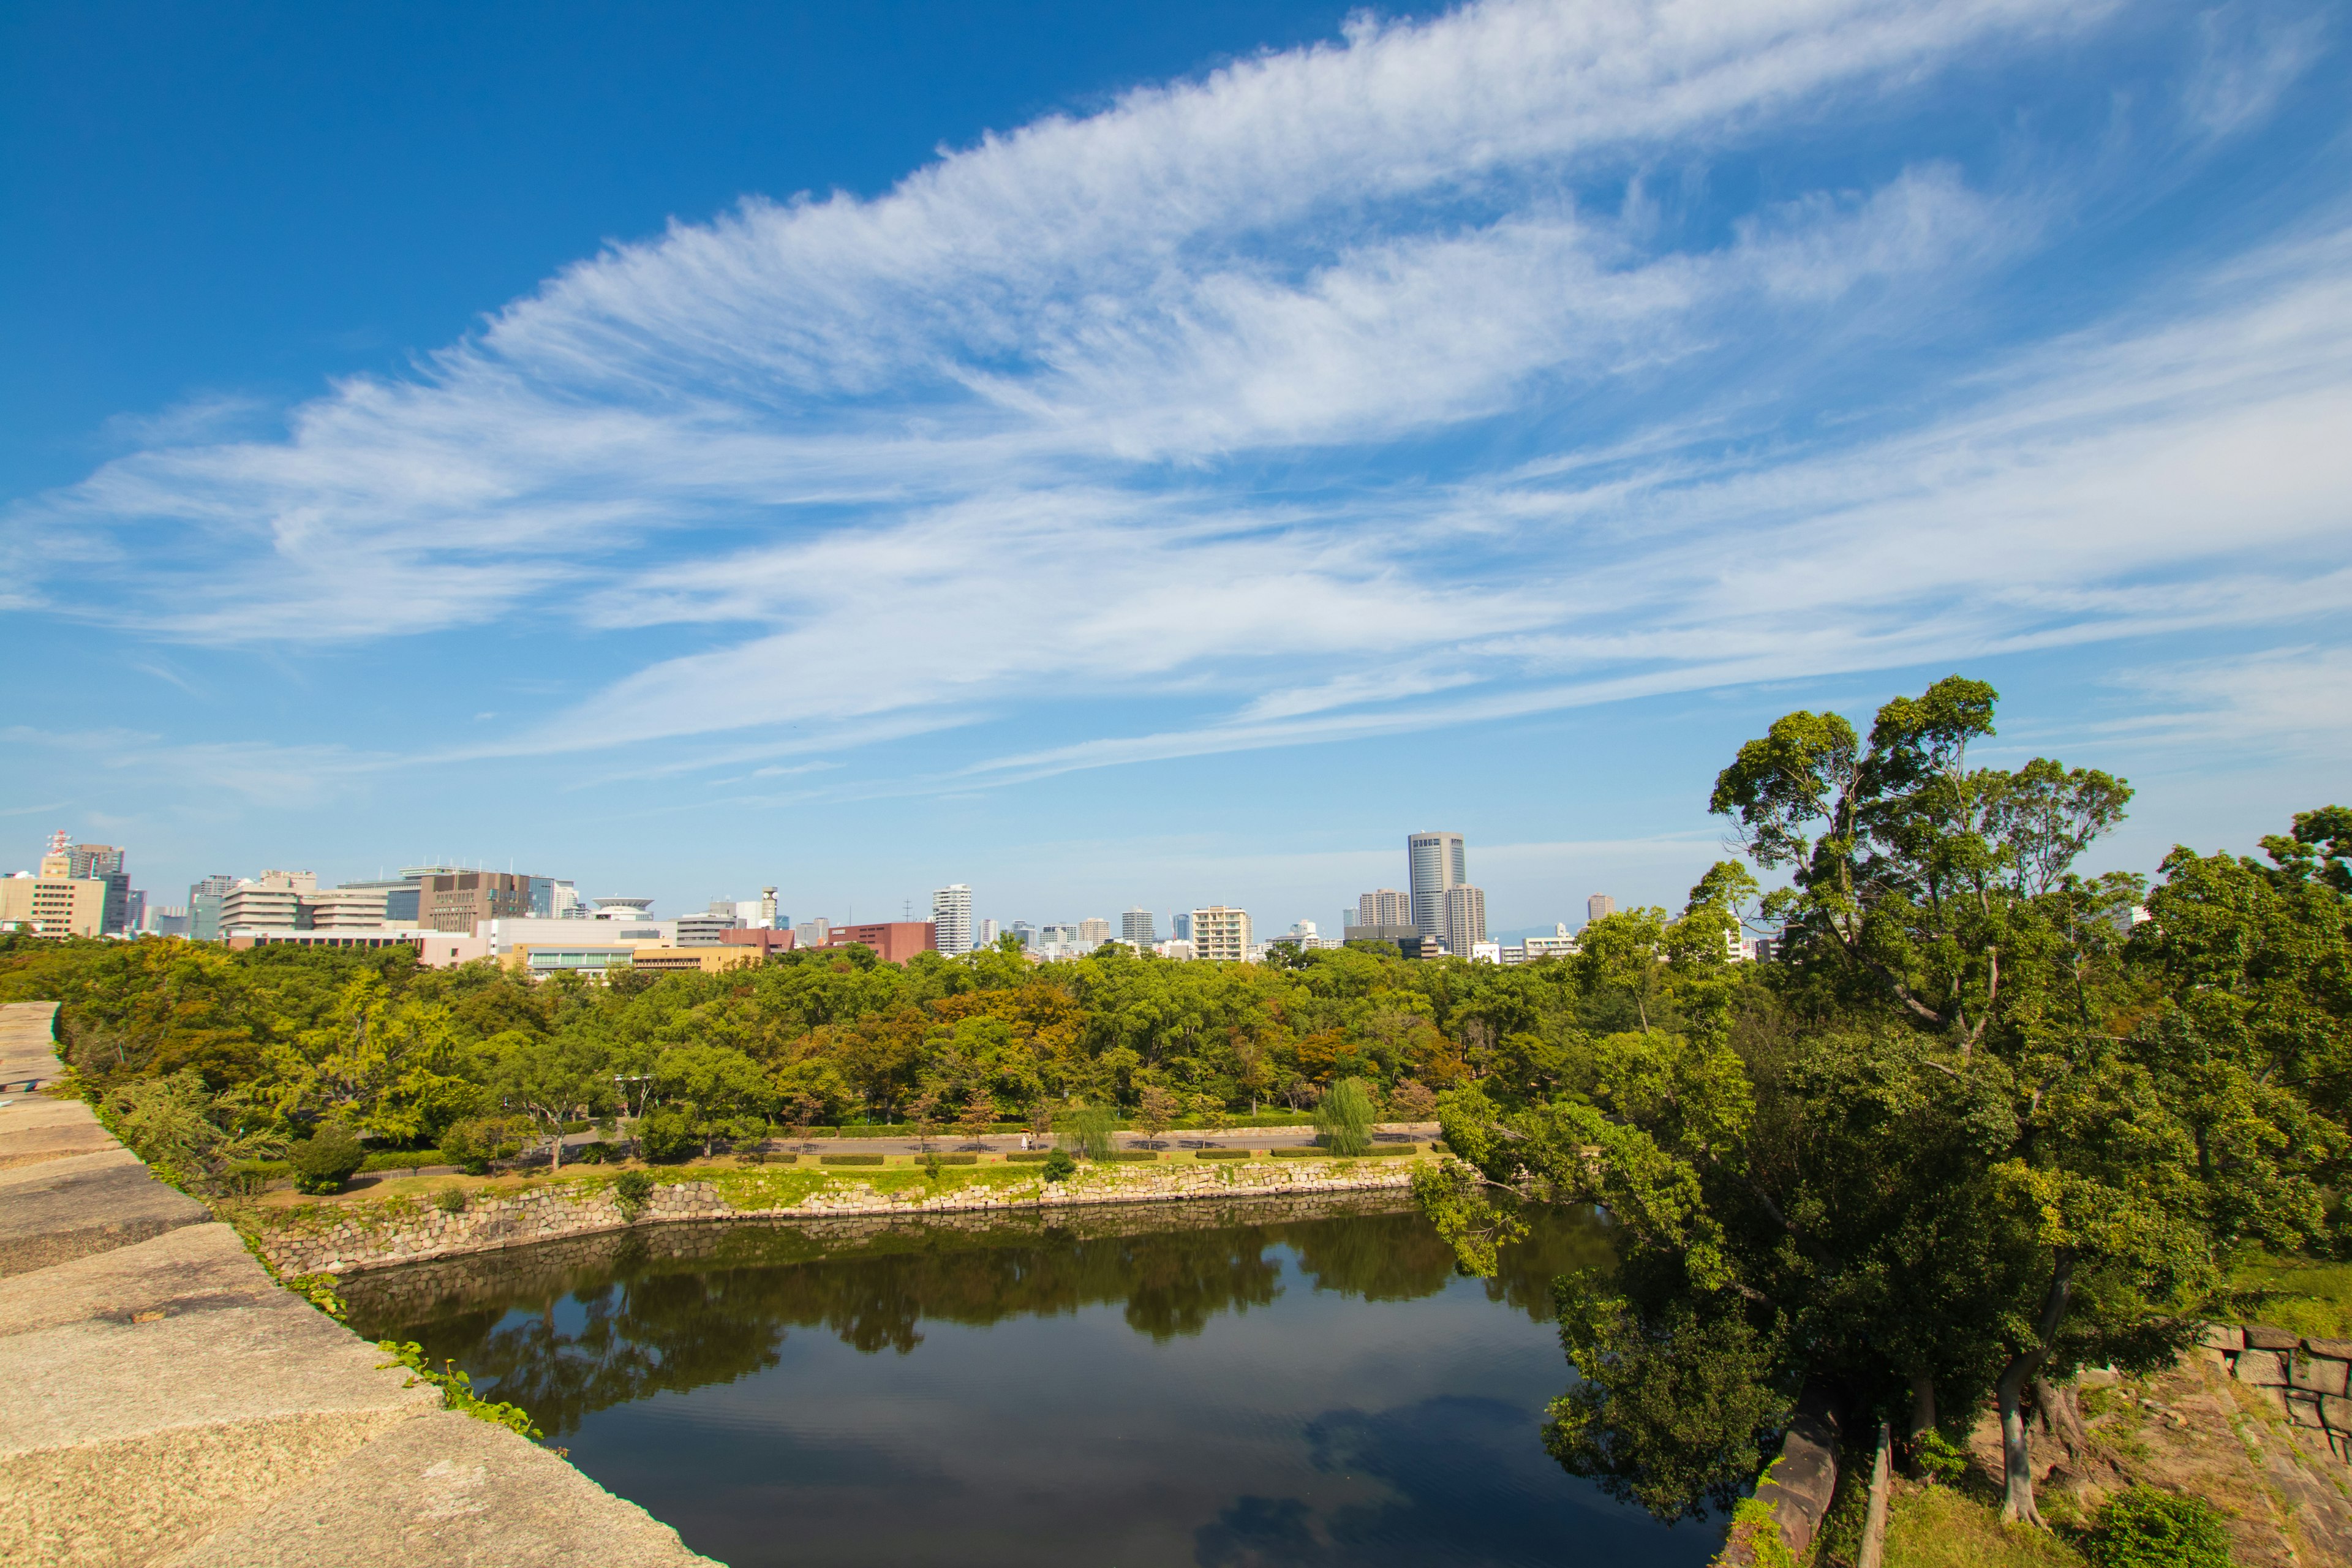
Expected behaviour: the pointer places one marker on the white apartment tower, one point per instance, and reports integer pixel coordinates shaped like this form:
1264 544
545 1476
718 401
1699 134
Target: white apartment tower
1598 905
1383 906
1134 926
1221 934
952 918
1433 862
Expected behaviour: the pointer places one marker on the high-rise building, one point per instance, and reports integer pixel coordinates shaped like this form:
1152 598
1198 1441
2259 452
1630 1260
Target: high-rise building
103 863
1134 926
1220 934
1433 862
564 902
454 900
1025 934
205 906
1598 905
1093 933
342 909
768 916
1466 919
952 918
988 933
1180 925
1382 907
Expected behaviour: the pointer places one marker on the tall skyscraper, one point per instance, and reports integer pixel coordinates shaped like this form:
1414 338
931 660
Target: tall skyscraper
1465 919
1383 906
1180 925
1433 862
1599 904
103 863
952 918
1134 926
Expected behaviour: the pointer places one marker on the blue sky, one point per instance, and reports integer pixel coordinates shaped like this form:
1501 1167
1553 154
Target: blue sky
1119 454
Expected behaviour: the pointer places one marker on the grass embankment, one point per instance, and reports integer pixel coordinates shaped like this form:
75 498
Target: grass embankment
1939 1527
2307 1296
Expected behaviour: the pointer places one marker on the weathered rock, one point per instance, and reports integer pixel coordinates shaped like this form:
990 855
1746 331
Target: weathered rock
196 1268
2303 1408
2336 1411
2264 1369
2222 1337
2262 1337
2334 1350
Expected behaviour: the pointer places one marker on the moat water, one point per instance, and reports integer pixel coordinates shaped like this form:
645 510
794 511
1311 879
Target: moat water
1231 1387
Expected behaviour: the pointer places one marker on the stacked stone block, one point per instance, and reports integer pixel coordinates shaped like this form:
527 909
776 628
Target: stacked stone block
2306 1379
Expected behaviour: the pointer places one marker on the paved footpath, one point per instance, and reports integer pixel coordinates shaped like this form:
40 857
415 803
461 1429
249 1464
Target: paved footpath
163 1404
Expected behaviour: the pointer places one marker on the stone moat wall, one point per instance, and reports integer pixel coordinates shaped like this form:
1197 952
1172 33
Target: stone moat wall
366 1234
2306 1379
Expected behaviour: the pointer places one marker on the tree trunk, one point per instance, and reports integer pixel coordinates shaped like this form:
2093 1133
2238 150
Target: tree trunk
1923 1415
2061 1417
2017 1462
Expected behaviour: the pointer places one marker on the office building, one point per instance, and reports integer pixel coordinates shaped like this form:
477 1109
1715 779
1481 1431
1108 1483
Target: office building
52 906
1598 905
710 958
1303 935
1383 906
541 901
101 863
1433 862
1180 925
163 920
988 933
952 918
508 933
707 930
344 909
892 941
1176 948
1466 919
1134 926
271 901
205 906
564 902
454 900
137 919
761 939
812 933
1219 934
1093 933
401 897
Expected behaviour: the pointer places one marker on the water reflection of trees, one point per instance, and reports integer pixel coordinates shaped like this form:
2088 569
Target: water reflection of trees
628 1325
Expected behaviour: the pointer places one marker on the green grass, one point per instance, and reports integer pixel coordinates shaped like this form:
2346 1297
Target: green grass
1937 1527
2305 1295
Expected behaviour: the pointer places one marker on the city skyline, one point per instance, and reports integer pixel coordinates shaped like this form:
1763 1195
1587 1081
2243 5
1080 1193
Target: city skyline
1071 453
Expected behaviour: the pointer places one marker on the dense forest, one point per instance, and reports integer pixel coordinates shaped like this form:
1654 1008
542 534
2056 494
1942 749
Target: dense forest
1984 1120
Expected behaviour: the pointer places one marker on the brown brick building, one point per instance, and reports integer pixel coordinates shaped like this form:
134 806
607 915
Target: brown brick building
454 900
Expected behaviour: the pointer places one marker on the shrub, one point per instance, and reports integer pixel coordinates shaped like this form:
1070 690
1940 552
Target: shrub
2144 1528
471 1145
450 1200
595 1154
1059 1166
632 1190
1221 1154
326 1160
849 1159
957 1159
1030 1156
1300 1153
402 1159
666 1134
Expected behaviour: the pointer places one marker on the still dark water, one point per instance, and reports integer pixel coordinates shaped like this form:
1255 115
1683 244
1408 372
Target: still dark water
1240 1387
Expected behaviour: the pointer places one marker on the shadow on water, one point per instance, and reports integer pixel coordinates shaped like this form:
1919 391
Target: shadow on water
1362 1403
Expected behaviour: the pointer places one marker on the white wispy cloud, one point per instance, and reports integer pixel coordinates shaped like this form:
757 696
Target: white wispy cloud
1149 410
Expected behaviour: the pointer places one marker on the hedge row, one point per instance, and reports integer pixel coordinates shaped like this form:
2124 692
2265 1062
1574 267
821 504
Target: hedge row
1131 1156
1221 1154
1376 1152
404 1159
1028 1156
955 1159
849 1159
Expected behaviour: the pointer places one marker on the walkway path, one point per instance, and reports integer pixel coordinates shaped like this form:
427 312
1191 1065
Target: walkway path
163 1404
